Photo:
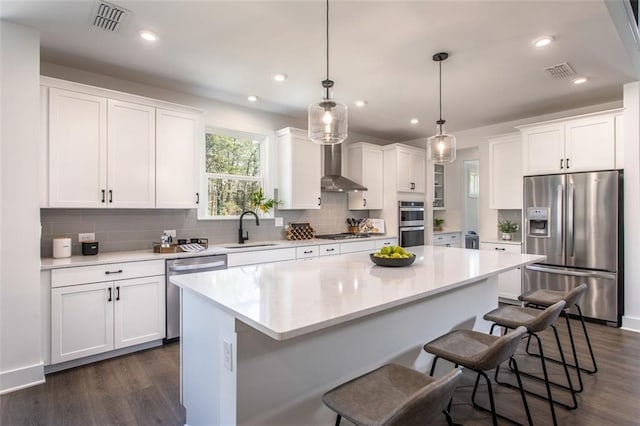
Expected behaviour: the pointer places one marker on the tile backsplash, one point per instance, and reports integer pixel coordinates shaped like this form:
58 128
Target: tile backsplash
132 229
513 216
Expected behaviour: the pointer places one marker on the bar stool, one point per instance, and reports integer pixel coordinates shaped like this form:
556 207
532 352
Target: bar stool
393 395
535 321
543 298
480 352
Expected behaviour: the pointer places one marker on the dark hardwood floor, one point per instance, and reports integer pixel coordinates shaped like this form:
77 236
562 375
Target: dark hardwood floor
142 389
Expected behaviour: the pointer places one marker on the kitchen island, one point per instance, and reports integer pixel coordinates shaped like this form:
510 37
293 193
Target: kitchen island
261 344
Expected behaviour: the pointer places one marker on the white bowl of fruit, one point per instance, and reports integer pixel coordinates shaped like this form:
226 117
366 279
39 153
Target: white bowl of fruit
392 256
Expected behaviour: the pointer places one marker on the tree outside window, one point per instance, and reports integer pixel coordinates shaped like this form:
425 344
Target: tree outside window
234 169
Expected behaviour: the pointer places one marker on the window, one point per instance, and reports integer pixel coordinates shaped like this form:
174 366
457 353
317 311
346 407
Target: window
234 168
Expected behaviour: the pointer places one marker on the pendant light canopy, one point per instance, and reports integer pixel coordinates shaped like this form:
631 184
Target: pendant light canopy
327 117
441 147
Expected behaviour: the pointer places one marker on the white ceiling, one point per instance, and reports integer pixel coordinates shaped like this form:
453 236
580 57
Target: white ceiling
380 51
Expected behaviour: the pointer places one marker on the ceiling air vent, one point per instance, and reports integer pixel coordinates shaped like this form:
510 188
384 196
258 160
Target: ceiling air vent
560 71
109 17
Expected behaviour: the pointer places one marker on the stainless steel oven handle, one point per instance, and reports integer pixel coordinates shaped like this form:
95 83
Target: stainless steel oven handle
412 228
411 209
590 274
180 268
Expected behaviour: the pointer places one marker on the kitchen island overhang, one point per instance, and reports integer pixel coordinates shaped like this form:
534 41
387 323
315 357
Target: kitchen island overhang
262 343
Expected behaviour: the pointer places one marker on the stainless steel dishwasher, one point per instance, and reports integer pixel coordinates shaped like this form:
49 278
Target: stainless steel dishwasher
187 265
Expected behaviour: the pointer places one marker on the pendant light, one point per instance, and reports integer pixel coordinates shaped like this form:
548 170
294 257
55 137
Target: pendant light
441 147
327 117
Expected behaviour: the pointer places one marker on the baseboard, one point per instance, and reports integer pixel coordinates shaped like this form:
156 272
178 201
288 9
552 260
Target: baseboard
21 378
631 323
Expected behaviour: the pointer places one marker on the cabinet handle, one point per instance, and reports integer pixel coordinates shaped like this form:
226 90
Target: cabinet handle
561 161
119 271
386 244
103 194
567 163
364 202
118 293
308 252
413 185
319 201
111 196
501 249
197 198
109 299
331 249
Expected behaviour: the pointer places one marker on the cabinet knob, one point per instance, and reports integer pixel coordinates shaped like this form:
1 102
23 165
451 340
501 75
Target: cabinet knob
103 196
308 252
364 202
500 248
319 201
109 299
561 161
119 271
413 185
118 293
197 198
330 249
567 163
111 196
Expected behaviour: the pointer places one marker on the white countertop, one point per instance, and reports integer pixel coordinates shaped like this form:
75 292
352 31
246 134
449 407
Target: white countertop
288 299
140 255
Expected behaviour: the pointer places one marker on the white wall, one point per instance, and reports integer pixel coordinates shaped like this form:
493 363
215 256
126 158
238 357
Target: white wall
20 330
631 318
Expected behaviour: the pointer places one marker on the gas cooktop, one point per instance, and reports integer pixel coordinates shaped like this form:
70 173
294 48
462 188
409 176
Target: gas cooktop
344 236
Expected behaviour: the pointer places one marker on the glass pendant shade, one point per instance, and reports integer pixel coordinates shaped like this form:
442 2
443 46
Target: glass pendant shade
441 147
327 122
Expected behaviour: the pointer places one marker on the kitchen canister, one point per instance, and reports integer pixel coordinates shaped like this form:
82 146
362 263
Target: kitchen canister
61 247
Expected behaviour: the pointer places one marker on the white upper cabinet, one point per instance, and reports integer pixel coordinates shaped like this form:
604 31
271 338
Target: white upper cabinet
365 167
299 170
505 172
579 144
111 149
130 155
177 137
77 149
408 164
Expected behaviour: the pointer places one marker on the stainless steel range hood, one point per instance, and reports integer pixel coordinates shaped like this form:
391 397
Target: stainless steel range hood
333 181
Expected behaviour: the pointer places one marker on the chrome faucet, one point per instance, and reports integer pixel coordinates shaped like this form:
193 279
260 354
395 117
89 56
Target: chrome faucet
241 237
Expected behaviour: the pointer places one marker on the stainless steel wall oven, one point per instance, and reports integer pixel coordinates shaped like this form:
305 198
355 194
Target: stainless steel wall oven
411 216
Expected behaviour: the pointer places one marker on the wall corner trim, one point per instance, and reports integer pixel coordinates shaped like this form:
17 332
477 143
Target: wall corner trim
631 323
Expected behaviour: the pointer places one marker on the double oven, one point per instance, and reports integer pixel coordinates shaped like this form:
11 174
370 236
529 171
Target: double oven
411 217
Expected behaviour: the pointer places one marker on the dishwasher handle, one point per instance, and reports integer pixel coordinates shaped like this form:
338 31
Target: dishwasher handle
221 264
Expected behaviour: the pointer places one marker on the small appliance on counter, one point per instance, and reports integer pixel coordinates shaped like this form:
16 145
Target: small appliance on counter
61 247
89 248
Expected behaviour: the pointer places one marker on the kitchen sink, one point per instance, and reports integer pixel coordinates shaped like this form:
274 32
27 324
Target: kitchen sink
239 246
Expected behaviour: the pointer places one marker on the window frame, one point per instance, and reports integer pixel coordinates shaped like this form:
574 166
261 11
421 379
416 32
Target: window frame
263 138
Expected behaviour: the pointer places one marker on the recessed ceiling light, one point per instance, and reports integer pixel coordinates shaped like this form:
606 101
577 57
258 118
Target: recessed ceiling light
252 98
580 80
543 41
360 103
414 121
280 77
148 35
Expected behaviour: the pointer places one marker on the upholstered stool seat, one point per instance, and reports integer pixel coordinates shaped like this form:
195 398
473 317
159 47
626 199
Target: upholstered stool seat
392 395
479 352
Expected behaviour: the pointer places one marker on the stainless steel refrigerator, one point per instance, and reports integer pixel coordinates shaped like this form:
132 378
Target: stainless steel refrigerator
575 220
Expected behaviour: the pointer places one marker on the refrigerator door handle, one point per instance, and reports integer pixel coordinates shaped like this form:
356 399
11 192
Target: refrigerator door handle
571 248
584 274
560 213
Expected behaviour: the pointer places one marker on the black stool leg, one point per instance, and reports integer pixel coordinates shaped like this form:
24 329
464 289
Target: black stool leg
491 402
586 336
338 418
522 393
433 365
575 354
546 381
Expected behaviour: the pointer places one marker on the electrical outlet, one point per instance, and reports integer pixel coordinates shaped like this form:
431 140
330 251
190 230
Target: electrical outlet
279 222
170 233
227 354
89 236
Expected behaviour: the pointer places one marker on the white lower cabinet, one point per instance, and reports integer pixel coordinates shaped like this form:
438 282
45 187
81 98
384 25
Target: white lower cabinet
447 239
356 246
307 252
329 249
510 282
378 244
88 319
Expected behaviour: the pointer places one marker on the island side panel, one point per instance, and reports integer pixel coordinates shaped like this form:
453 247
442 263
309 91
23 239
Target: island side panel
282 382
209 387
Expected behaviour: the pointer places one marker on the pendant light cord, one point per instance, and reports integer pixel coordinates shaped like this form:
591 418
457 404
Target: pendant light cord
440 64
327 46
